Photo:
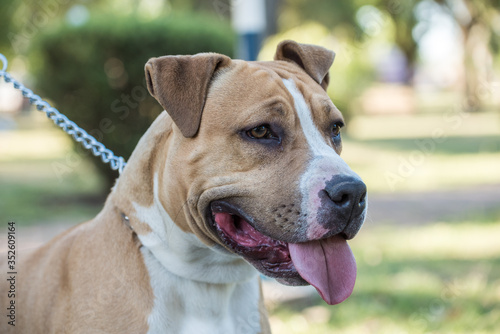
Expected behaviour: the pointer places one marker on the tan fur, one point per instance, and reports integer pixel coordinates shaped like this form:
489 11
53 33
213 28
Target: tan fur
73 286
92 279
315 60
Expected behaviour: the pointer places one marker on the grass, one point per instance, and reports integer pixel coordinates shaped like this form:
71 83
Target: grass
31 193
424 152
439 278
42 180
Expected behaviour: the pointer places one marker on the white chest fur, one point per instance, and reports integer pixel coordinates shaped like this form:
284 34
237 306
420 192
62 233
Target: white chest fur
184 306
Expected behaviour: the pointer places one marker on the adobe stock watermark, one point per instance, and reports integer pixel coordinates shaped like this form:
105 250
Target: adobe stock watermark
44 13
454 119
223 8
372 21
251 323
436 309
122 106
408 165
105 293
487 90
422 319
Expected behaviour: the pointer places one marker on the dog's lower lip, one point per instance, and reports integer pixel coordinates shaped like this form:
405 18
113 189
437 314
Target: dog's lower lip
240 236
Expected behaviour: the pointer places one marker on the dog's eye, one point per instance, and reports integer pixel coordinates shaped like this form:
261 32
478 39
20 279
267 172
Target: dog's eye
260 132
336 129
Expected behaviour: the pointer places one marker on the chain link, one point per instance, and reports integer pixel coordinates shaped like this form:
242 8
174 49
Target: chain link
78 134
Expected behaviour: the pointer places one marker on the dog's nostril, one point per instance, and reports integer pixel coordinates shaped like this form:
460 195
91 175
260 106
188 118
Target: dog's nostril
341 199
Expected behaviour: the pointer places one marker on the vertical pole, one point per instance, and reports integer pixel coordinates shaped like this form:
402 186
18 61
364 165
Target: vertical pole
249 21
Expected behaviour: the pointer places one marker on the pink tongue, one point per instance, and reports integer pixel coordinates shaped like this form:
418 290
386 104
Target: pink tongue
328 265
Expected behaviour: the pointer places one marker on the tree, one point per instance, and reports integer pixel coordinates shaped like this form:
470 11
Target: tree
476 19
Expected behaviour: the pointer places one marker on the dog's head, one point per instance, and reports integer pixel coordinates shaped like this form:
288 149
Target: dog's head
257 163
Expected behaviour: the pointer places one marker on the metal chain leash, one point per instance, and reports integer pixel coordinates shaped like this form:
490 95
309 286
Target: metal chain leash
80 135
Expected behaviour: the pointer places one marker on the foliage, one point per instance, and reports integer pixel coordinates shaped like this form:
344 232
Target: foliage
332 14
477 21
94 73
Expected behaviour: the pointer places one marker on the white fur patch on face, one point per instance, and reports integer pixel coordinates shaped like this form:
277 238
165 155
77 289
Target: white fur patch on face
324 164
313 136
183 253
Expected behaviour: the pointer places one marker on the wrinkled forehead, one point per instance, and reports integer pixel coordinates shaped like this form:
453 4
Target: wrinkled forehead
247 83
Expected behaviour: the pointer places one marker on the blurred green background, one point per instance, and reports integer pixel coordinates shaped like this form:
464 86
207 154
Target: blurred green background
418 82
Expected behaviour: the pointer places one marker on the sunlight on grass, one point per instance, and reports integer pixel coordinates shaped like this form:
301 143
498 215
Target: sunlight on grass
33 190
402 153
441 278
32 193
448 122
385 170
33 144
464 241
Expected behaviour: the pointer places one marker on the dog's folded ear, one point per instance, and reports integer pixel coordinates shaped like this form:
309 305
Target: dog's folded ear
180 84
315 60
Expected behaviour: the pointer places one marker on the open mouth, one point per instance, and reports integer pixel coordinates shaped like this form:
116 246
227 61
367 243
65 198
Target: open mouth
270 256
327 264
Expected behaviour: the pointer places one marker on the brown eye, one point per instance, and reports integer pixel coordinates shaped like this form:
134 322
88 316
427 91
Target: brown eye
336 129
260 132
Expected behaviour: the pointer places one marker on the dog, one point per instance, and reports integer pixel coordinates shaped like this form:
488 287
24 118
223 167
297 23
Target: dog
241 175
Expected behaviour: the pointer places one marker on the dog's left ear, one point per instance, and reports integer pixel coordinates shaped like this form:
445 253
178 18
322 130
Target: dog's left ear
180 84
315 60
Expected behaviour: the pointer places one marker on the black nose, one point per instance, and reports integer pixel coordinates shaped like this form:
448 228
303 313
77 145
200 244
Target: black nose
348 196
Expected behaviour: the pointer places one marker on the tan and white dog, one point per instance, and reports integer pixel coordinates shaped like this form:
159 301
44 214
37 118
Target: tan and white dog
240 175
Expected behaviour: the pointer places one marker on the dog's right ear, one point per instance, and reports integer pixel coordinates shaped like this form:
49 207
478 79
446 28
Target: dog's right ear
315 60
180 85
